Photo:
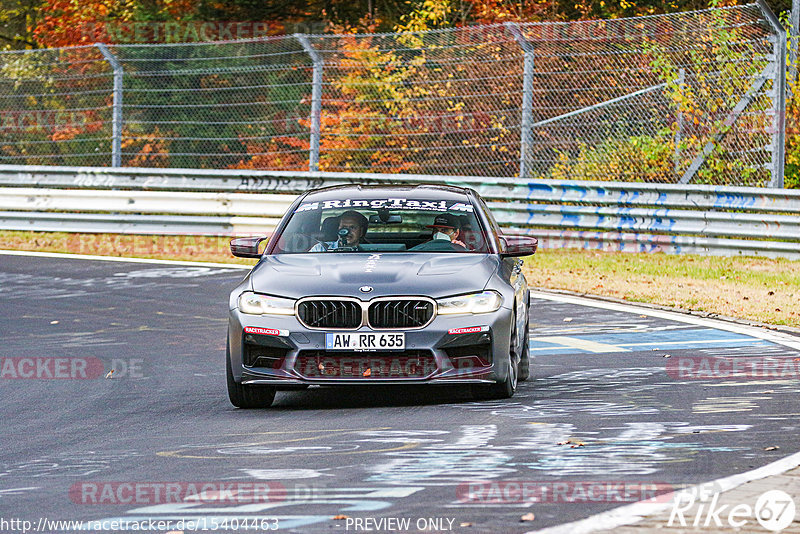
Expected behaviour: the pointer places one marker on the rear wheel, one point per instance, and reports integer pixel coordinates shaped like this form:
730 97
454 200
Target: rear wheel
525 358
244 396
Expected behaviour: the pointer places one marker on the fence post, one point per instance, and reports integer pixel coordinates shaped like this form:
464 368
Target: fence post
116 117
316 101
778 94
526 136
679 123
794 28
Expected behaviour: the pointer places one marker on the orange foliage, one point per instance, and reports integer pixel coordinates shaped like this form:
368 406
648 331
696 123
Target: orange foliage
151 151
77 22
284 153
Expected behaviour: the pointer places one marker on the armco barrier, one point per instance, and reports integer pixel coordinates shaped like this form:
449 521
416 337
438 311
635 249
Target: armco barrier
635 217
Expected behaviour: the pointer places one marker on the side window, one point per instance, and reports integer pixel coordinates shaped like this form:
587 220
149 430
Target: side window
494 227
300 234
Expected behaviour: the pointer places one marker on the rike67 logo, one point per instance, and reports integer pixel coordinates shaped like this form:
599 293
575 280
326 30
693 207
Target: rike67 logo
701 508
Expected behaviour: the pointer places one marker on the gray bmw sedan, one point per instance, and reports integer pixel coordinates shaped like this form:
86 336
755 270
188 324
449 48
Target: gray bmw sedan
380 285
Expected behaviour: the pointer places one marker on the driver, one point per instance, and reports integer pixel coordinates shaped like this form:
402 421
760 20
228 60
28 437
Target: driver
352 228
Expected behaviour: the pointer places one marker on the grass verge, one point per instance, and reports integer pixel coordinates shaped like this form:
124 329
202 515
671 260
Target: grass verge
756 289
178 247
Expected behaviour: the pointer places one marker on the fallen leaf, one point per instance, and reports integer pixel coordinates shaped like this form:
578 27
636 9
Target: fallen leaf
667 356
771 293
528 517
771 448
341 516
643 316
567 319
53 322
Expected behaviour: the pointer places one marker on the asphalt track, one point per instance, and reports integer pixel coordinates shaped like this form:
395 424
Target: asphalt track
599 382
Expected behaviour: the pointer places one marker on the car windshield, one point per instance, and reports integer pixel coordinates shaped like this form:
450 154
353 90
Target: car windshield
383 225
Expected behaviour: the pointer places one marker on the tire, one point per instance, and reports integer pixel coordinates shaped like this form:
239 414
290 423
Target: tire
506 388
243 396
525 359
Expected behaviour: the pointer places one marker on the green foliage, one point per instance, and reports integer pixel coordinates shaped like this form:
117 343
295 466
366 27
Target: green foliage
17 18
705 101
620 160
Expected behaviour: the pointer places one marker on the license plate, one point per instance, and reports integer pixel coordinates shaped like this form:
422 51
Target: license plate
365 341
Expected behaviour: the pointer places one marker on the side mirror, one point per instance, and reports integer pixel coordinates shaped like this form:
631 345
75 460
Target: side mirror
518 245
246 247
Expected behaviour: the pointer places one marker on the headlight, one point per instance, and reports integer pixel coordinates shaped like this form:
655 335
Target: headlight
255 304
485 302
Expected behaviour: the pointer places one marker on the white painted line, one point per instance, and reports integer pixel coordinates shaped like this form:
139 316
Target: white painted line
699 341
620 347
126 260
753 331
14 491
577 343
523 505
635 512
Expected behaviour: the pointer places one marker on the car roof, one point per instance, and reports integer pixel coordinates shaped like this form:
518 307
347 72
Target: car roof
360 191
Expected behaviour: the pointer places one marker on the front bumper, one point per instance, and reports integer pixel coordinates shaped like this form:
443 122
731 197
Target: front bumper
452 349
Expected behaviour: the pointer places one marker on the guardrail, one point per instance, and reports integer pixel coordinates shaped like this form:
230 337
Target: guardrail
640 217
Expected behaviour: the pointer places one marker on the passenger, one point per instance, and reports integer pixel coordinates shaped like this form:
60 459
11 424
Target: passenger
446 227
354 225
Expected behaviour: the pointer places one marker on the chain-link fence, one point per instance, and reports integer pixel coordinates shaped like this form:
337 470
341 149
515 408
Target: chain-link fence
689 97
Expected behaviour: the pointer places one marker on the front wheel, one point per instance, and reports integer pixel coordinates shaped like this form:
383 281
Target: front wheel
506 388
244 396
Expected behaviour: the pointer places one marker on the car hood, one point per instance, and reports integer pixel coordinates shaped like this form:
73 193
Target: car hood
430 274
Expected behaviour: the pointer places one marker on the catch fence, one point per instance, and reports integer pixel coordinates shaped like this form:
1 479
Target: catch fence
695 97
